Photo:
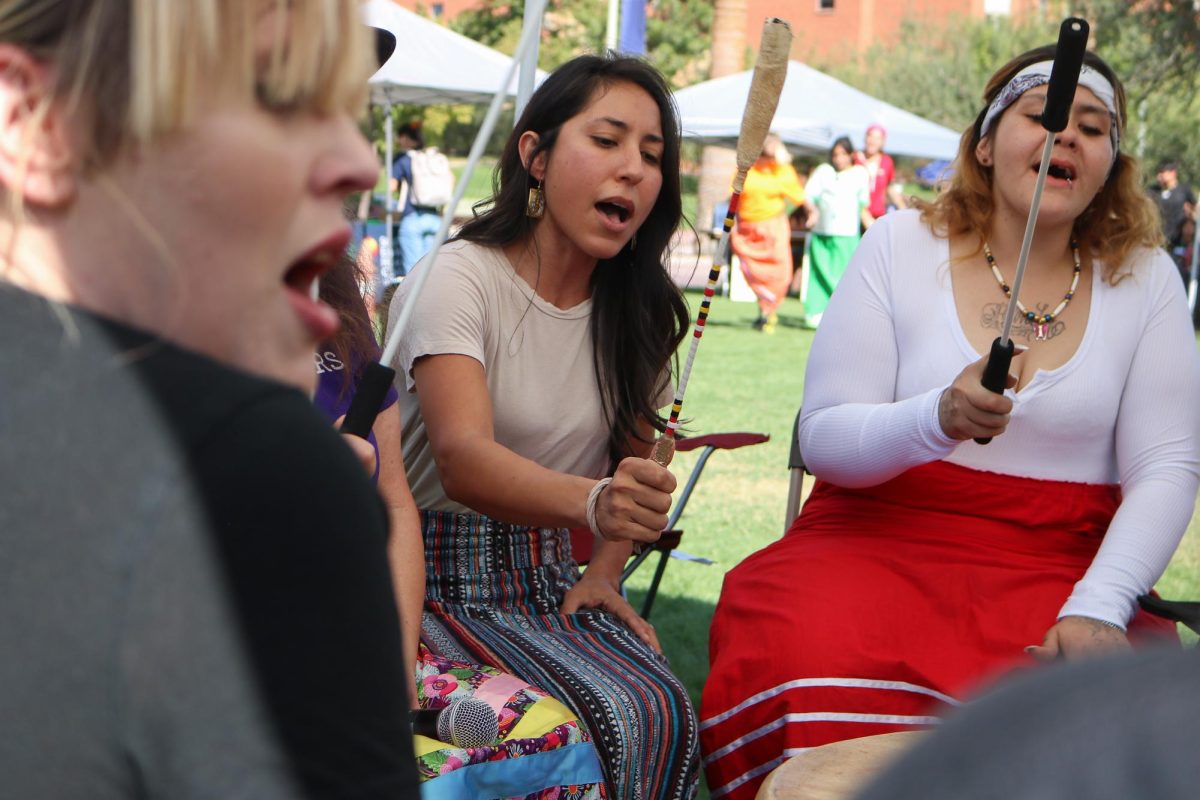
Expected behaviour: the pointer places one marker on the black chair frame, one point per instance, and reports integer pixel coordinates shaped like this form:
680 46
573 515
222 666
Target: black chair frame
666 545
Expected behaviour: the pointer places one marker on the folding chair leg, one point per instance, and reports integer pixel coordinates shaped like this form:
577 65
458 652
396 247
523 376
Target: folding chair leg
652 592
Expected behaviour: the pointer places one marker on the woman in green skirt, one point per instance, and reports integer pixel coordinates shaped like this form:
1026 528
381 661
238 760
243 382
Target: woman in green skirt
837 198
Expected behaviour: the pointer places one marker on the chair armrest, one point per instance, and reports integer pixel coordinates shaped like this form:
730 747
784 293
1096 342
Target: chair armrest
1184 611
720 441
795 457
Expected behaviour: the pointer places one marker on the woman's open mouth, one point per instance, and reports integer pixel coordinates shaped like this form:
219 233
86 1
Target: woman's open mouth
301 282
616 210
1060 171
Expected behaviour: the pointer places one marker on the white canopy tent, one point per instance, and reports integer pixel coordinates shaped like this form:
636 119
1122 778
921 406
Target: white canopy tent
814 110
433 64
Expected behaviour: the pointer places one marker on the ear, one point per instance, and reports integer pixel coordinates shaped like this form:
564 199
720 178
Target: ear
35 145
525 146
983 151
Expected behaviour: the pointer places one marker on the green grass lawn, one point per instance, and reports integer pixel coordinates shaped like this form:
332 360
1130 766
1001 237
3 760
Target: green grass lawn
744 380
478 187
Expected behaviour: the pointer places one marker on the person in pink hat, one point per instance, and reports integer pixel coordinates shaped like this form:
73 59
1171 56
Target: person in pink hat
881 172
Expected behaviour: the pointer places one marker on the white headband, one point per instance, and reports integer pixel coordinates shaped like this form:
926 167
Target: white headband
1038 75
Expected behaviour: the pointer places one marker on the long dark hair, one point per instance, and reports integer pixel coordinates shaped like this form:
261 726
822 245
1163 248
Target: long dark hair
844 143
638 314
354 342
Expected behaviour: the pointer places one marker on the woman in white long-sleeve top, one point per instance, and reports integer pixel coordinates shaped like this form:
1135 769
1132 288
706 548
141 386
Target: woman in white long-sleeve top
925 564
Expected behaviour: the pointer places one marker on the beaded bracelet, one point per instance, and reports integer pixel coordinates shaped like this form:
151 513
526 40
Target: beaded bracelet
592 497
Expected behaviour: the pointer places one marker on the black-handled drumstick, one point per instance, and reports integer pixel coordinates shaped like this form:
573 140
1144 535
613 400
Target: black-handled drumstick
1060 94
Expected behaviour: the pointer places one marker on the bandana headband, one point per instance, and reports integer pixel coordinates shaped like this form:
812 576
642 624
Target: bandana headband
1038 75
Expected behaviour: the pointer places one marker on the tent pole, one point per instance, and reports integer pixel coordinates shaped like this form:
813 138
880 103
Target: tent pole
533 18
610 36
387 272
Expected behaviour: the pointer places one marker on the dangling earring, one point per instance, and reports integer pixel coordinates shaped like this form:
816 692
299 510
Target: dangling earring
535 206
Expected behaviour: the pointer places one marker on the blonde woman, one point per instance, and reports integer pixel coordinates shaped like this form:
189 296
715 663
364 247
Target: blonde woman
195 599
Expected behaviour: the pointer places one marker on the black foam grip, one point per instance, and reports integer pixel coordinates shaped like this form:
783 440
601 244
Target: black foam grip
995 374
368 399
1064 75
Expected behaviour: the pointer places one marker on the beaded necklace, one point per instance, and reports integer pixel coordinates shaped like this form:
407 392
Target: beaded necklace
1040 322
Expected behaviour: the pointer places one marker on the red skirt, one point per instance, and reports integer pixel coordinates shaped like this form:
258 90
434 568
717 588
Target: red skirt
881 608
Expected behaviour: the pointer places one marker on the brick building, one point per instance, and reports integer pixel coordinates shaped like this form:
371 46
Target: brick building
441 10
831 30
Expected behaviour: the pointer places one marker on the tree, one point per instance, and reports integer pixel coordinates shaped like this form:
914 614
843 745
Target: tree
939 70
1154 45
679 40
677 32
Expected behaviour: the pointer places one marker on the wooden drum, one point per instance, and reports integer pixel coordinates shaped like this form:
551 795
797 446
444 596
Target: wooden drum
836 771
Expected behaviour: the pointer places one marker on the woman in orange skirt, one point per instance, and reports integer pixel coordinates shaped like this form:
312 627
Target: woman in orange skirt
763 237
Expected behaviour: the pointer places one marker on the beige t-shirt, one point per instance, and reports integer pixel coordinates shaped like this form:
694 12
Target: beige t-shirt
537 360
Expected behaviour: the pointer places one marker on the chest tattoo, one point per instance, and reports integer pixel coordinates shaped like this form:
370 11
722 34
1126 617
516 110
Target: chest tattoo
1023 330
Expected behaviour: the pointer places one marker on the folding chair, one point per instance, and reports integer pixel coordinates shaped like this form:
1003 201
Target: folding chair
1185 612
666 546
796 472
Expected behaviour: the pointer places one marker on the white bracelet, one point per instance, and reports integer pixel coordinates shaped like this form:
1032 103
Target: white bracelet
1103 622
1107 624
593 496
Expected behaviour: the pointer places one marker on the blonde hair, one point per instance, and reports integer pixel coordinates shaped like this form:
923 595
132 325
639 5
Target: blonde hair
1118 220
134 70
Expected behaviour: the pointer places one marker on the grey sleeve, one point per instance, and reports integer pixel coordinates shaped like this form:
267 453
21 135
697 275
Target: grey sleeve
1108 729
193 718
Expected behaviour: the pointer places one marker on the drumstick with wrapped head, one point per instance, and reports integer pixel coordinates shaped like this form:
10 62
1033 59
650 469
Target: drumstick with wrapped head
769 72
1060 94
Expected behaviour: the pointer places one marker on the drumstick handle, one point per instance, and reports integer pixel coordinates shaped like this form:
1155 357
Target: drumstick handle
995 374
368 399
1064 75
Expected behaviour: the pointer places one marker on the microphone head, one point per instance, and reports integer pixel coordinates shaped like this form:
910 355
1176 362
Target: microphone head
468 723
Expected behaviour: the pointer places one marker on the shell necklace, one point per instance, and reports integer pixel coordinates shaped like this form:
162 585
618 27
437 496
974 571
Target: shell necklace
1040 322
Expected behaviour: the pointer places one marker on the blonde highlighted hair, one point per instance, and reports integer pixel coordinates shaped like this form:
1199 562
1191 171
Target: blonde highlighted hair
134 70
1117 221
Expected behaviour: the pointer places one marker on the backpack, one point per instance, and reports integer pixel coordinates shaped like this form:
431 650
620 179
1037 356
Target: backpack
432 180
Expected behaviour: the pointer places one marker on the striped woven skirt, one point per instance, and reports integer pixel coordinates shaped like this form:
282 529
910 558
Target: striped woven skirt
882 608
493 591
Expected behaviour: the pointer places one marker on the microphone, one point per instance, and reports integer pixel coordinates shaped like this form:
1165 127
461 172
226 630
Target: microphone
466 722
